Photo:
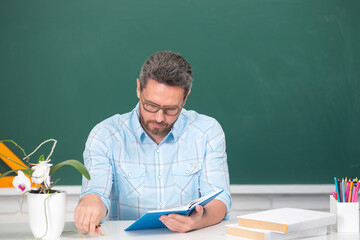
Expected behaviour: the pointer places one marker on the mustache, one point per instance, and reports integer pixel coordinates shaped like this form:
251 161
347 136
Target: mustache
160 123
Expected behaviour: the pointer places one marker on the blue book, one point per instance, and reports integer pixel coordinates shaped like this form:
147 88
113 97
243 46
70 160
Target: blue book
151 218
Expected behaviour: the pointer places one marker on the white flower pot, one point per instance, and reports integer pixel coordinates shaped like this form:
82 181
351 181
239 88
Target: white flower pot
54 205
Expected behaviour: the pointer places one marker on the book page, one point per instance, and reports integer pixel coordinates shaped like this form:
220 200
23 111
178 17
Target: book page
172 209
202 199
189 205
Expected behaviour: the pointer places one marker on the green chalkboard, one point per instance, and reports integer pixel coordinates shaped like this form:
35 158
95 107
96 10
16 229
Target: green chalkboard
281 76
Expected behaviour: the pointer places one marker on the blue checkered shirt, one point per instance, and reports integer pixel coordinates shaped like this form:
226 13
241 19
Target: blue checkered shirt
132 174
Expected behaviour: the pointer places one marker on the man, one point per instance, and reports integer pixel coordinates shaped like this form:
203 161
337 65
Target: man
157 156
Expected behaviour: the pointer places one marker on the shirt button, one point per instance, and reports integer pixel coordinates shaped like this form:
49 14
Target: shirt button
159 176
157 150
129 174
160 203
187 172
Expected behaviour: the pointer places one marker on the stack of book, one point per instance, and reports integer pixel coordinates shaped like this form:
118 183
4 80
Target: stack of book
281 224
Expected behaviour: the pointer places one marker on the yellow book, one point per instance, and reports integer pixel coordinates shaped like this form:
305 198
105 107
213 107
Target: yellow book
286 220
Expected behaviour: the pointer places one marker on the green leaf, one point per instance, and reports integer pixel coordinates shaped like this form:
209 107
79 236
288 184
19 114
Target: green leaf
30 171
41 158
11 171
74 163
13 161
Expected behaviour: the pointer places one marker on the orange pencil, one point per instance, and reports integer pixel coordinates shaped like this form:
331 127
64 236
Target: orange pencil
347 187
345 184
351 188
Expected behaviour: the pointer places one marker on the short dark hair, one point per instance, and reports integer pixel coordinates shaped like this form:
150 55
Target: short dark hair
169 68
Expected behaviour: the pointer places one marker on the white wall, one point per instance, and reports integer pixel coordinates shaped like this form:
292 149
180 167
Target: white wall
246 199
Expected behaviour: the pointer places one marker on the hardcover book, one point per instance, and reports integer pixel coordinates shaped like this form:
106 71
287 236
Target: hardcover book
286 220
151 218
259 234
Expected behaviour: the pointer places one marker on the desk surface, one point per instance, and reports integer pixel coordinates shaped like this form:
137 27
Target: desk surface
115 230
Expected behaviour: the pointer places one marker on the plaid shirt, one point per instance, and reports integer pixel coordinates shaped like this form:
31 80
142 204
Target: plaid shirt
133 174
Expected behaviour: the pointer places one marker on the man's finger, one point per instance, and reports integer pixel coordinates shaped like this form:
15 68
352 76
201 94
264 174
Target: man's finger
198 210
92 225
173 224
78 219
80 223
169 223
180 218
86 223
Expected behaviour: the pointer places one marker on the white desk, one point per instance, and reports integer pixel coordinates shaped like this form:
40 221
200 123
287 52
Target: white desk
115 230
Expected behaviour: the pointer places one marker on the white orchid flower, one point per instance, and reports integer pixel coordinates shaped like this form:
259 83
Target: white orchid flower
41 173
47 182
21 182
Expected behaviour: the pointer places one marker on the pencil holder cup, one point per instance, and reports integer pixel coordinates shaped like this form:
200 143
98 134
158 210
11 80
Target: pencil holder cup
347 215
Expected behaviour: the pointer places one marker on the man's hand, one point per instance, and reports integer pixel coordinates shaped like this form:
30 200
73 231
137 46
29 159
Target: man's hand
181 223
89 212
201 217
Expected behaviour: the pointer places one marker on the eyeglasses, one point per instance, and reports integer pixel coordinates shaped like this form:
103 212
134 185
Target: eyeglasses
150 107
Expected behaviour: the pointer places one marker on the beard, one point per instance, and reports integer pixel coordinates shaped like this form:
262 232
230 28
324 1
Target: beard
163 129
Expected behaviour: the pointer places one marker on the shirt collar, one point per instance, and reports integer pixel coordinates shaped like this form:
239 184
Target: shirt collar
179 125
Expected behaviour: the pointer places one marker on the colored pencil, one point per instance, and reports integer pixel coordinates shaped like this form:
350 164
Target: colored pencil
347 187
351 188
344 190
333 194
340 187
337 188
354 192
357 190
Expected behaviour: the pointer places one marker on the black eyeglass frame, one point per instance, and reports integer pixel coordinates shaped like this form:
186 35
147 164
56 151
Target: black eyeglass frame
158 107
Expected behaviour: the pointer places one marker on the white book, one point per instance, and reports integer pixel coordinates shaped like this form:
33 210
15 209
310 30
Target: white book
259 234
286 220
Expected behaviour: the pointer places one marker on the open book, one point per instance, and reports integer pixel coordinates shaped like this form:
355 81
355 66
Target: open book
151 218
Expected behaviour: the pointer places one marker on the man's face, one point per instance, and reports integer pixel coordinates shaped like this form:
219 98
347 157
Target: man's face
159 124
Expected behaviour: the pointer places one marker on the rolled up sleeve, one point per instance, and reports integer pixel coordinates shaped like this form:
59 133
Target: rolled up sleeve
98 162
215 173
